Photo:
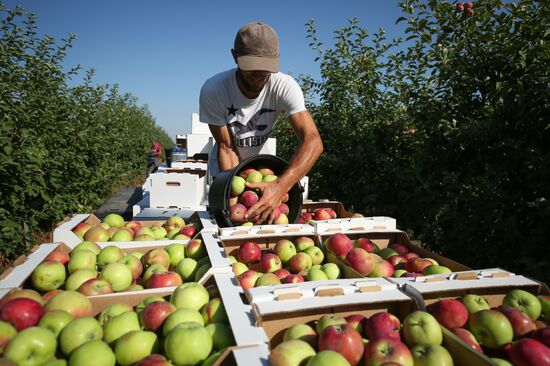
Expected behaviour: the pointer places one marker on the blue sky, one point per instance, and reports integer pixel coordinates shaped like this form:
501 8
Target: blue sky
163 51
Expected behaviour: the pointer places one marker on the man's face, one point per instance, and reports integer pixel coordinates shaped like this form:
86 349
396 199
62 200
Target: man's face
254 81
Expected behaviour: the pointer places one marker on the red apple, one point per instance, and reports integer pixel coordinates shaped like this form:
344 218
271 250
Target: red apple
28 293
21 312
153 315
300 262
237 213
270 262
358 322
397 260
387 351
382 269
305 218
81 229
249 252
521 323
134 225
468 338
383 325
154 360
189 230
529 352
344 339
410 255
293 278
283 208
366 244
58 255
417 264
360 260
331 213
95 286
164 279
339 245
450 313
399 248
248 198
321 214
542 335
248 279
281 273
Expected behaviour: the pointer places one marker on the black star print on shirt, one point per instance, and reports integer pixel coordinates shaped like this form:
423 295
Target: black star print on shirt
232 110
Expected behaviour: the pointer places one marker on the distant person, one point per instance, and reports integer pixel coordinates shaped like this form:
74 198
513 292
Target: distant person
154 157
241 106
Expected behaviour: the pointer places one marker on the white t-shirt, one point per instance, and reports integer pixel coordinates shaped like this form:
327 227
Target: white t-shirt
250 121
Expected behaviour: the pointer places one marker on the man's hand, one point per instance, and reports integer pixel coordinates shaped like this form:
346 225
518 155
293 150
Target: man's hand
272 195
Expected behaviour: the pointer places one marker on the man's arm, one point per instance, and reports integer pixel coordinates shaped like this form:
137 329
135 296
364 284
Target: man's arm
227 156
309 151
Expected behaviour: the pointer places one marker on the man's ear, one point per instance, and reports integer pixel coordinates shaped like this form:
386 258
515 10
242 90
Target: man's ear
235 55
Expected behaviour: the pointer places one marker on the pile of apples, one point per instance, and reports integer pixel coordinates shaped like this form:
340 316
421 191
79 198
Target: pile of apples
190 328
92 270
396 260
114 228
319 214
380 339
516 332
287 262
242 198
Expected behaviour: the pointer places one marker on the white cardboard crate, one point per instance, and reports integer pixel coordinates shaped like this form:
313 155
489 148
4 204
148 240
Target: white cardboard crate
355 224
264 230
186 189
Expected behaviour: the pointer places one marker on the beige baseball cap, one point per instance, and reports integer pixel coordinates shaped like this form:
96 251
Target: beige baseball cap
257 47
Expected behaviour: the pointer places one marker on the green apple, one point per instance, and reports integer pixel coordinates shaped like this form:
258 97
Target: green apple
233 259
201 271
490 328
78 332
31 347
82 259
111 311
180 316
153 268
93 353
254 177
328 358
60 362
211 360
174 222
420 327
545 306
523 301
501 362
293 352
221 334
239 268
196 249
78 277
328 319
122 236
214 312
135 345
138 255
474 303
114 220
187 268
385 253
176 252
7 332
303 332
172 233
55 321
435 269
316 254
331 270
398 273
48 275
118 275
431 355
188 344
285 250
119 325
316 274
190 295
159 232
109 254
237 185
87 245
72 302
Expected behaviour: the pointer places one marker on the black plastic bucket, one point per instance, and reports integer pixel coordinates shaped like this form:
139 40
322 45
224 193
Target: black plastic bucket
218 196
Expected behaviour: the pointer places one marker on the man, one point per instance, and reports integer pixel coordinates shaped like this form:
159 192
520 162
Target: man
154 156
241 106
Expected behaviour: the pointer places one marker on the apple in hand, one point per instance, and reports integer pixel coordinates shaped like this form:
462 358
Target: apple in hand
383 325
343 339
521 323
21 312
32 346
474 303
468 338
491 328
523 301
431 355
292 352
450 313
420 327
527 352
387 351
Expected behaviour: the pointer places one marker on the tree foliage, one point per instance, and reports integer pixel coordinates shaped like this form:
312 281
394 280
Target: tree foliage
446 130
62 148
